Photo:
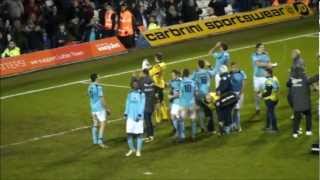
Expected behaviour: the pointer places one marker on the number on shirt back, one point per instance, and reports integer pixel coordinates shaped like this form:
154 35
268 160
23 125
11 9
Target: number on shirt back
188 88
203 80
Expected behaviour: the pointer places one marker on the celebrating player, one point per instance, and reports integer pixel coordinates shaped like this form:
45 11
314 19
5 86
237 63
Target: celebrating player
187 102
98 110
174 85
202 77
261 61
133 115
221 57
237 81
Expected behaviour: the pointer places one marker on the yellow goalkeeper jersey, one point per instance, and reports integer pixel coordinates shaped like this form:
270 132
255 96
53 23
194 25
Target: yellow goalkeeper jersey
156 72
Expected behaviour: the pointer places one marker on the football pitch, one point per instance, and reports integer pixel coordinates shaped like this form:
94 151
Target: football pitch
45 119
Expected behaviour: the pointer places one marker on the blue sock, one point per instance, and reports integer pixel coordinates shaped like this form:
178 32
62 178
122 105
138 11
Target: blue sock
181 129
139 142
100 138
193 128
94 135
175 125
130 142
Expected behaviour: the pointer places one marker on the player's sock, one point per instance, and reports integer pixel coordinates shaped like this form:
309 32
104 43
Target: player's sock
100 138
130 142
175 124
257 103
193 128
202 119
139 143
180 128
94 132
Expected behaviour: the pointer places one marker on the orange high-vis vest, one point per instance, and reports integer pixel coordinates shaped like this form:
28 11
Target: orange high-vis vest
275 3
306 2
290 1
125 24
108 19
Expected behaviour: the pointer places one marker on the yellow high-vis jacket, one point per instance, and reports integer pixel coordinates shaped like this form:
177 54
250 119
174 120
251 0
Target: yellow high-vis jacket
157 74
11 52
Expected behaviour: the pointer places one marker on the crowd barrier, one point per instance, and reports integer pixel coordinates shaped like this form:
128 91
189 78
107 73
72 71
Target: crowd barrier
228 23
60 56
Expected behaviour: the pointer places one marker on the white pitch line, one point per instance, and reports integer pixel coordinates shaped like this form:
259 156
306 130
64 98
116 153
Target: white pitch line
131 71
53 135
109 85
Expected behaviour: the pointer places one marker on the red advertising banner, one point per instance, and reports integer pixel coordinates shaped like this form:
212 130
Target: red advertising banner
60 56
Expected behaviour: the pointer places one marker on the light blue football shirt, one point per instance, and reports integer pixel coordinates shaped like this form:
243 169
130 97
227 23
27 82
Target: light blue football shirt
187 93
259 71
95 93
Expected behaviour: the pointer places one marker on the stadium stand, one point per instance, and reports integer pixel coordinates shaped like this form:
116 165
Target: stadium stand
43 24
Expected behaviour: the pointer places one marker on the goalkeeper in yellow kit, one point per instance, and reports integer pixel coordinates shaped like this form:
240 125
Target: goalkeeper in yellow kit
157 74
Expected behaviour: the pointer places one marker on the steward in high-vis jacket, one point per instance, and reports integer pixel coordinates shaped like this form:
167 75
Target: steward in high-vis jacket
270 95
126 29
110 24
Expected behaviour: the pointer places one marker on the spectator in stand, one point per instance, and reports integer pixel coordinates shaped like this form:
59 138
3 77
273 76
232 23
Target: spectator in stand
34 37
51 22
190 10
140 17
93 31
31 7
47 44
2 42
210 13
87 11
109 20
126 30
218 7
11 51
15 8
19 35
74 29
172 16
153 24
62 37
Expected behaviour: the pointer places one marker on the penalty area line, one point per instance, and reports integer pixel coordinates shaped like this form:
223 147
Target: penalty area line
53 135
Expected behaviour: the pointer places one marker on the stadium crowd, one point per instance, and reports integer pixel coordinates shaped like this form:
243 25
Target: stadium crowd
32 25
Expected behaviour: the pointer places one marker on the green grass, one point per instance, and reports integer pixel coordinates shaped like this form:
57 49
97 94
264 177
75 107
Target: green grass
251 154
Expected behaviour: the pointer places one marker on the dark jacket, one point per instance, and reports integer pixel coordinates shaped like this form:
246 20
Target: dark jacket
147 86
218 7
225 85
299 85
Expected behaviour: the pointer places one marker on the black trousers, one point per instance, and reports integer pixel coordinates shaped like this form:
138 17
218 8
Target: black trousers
159 93
298 117
225 115
271 121
108 33
127 41
148 123
208 114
